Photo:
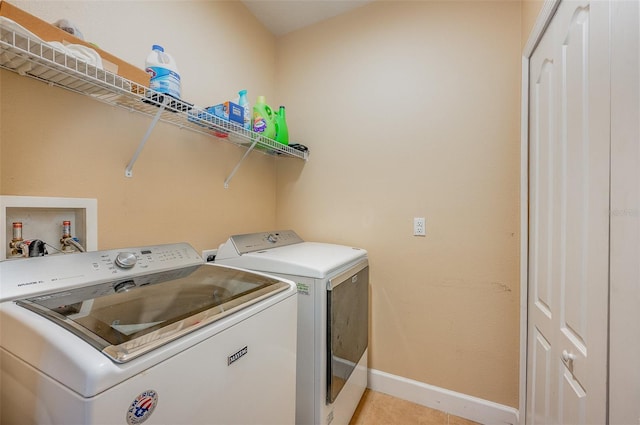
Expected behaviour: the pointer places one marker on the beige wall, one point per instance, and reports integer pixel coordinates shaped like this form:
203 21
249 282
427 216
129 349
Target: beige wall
530 11
56 143
409 109
412 109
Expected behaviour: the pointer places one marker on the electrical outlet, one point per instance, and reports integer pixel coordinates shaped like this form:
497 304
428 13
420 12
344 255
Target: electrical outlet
419 226
209 255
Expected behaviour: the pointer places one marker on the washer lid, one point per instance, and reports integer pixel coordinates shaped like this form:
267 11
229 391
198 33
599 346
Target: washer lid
310 259
129 317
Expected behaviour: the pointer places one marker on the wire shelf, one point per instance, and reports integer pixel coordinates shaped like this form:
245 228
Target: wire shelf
33 58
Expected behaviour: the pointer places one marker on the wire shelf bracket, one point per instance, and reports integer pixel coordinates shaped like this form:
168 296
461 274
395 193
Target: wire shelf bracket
128 172
233 172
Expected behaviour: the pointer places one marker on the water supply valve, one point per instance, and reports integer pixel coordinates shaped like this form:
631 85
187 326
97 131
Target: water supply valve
69 243
66 236
18 247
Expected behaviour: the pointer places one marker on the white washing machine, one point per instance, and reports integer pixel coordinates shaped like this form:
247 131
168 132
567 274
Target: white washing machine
148 334
333 316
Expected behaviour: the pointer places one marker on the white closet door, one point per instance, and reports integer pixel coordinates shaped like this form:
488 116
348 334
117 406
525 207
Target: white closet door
568 218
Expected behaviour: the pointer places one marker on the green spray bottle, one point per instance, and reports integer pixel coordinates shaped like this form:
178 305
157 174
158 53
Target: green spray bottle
263 119
282 131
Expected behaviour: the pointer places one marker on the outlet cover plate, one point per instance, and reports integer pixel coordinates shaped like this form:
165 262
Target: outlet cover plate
419 226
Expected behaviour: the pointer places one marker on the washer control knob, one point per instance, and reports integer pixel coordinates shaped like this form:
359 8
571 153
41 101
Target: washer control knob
272 238
126 260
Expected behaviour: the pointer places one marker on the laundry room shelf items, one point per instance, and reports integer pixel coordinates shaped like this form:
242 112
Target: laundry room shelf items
36 59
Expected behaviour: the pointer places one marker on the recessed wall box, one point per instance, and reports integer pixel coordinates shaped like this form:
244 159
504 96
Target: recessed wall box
42 218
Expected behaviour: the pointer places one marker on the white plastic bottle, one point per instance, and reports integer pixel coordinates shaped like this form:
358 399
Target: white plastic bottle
165 77
242 101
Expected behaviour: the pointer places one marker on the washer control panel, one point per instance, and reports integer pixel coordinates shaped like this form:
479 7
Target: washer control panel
31 276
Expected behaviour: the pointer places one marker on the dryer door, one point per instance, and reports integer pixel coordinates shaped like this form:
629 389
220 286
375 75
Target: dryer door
348 325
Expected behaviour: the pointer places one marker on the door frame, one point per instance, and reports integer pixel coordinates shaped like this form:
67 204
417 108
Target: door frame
544 17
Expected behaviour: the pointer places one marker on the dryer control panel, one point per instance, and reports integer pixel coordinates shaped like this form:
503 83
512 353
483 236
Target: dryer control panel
252 242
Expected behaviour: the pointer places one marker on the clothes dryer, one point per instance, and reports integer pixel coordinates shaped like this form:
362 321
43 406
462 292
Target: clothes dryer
333 316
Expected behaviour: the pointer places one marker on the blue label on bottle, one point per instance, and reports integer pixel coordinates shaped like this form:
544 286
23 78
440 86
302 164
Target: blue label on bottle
164 80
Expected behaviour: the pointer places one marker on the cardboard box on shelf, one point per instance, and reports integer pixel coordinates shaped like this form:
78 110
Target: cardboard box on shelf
48 32
228 111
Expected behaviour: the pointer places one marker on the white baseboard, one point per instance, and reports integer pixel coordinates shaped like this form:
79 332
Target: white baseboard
458 404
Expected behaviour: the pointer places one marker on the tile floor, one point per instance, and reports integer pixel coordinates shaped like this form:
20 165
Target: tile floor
381 409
